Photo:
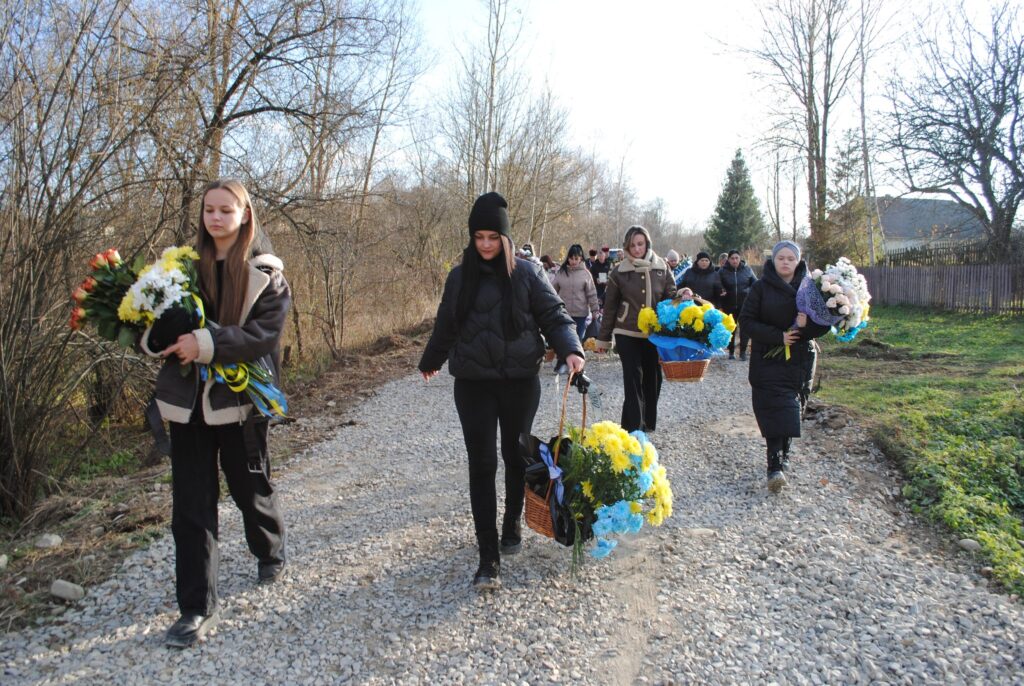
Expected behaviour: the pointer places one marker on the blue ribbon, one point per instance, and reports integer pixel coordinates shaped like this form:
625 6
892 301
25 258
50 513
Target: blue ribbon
554 471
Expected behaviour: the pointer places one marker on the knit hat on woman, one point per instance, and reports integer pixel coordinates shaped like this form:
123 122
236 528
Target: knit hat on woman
786 244
701 256
490 213
672 256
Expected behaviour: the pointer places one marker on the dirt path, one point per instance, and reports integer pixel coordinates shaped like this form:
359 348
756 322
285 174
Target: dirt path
830 582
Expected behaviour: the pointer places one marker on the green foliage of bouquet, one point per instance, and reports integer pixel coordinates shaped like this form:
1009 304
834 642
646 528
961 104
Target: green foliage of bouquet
98 297
612 484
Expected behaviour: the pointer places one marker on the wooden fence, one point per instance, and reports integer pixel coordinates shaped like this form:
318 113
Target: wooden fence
991 288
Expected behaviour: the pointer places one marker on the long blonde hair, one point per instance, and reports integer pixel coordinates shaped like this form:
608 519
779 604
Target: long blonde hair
230 300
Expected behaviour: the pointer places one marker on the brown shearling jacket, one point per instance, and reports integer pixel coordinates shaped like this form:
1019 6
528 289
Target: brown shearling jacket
267 300
630 290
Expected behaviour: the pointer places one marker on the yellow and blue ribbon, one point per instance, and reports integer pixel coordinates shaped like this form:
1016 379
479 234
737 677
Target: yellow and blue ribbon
253 380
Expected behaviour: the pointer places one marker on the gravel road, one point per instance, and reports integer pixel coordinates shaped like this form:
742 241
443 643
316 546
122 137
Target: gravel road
829 582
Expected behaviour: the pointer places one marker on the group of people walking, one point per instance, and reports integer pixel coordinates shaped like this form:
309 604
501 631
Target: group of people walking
497 311
498 314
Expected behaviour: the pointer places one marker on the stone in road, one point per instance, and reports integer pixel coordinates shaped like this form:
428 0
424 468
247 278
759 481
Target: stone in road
829 582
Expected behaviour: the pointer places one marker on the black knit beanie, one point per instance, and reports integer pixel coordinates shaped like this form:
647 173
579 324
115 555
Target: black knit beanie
490 213
700 255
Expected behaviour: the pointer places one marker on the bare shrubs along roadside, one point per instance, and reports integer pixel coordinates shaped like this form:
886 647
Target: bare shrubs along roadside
118 500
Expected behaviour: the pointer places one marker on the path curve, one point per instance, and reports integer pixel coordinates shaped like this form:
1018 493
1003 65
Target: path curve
830 582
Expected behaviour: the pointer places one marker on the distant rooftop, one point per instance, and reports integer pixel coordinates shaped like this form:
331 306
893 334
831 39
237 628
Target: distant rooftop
928 219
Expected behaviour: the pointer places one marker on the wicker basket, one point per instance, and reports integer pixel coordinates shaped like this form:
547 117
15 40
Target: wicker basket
537 513
687 370
537 510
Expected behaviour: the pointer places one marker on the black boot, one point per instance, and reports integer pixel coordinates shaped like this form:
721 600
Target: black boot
511 536
487 577
785 454
190 629
776 477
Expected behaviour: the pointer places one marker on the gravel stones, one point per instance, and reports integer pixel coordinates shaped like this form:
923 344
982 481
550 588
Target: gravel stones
48 541
831 581
65 590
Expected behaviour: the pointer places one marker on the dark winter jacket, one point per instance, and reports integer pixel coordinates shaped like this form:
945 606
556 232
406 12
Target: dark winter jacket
737 283
778 385
257 339
479 348
596 270
705 283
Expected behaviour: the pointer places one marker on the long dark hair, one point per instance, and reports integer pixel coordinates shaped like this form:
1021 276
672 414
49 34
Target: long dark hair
471 262
229 301
575 250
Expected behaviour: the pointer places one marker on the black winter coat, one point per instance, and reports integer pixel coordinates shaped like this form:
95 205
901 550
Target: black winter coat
737 283
779 387
705 283
479 349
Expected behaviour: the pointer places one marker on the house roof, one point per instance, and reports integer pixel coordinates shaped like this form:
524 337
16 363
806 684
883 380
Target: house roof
927 218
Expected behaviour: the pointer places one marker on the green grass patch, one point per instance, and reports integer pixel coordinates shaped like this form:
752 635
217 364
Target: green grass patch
944 394
94 464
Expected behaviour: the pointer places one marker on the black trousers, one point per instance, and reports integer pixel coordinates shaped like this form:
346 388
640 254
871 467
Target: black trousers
641 382
483 407
242 450
744 340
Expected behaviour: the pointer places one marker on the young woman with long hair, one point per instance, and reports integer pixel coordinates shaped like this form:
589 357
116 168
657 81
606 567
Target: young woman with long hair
246 299
488 329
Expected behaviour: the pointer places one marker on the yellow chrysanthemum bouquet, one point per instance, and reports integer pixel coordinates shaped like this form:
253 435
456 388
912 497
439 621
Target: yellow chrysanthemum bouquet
607 482
687 333
124 300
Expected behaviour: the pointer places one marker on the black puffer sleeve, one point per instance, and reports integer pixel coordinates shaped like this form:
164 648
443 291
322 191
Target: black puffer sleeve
445 332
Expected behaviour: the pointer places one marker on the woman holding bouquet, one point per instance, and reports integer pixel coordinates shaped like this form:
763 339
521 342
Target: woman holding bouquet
248 297
782 355
489 323
641 279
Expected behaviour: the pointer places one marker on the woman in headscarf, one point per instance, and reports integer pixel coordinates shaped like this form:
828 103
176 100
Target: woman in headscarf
641 279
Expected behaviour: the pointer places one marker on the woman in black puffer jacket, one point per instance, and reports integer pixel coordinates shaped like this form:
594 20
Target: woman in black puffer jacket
779 387
488 328
737 279
703 279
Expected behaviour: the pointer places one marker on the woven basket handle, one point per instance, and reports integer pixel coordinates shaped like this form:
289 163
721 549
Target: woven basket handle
561 421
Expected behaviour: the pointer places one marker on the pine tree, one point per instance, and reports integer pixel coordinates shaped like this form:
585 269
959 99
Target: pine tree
737 222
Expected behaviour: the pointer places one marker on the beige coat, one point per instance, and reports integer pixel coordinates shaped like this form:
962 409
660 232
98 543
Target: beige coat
577 290
628 291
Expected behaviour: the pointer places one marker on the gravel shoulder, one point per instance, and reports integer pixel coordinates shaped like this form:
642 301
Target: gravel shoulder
830 582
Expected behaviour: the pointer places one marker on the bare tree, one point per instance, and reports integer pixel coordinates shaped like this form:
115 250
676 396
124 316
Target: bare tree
73 100
484 111
959 126
869 26
809 49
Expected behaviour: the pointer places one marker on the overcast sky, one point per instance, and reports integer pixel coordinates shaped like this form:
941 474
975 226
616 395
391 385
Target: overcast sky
653 80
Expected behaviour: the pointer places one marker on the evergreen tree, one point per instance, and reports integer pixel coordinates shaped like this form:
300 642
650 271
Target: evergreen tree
737 222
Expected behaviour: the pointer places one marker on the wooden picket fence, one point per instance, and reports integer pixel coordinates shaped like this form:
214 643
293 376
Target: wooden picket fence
989 288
